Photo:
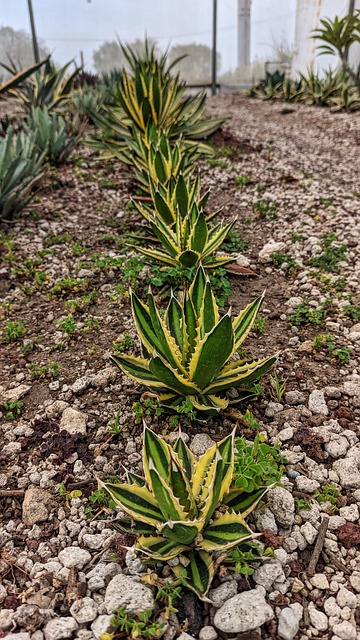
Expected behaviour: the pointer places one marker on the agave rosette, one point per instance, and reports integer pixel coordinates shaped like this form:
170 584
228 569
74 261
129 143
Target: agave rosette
186 353
185 507
191 242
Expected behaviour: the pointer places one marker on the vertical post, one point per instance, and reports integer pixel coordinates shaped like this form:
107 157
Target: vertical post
351 7
82 61
214 52
33 32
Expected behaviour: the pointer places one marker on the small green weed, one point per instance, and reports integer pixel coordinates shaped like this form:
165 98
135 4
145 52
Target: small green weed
13 409
248 553
107 184
235 242
352 312
67 284
148 407
295 237
259 326
78 249
304 314
257 465
14 330
69 495
135 625
326 341
91 324
65 238
67 325
332 254
277 386
242 180
329 493
82 303
279 259
167 593
265 208
44 371
123 345
301 504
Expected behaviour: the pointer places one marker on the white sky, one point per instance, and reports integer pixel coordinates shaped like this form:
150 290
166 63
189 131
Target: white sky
68 26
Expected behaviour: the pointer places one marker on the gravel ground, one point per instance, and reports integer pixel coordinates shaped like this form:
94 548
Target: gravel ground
290 175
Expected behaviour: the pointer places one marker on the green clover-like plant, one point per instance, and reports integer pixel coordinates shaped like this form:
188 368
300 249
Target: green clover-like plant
185 508
186 352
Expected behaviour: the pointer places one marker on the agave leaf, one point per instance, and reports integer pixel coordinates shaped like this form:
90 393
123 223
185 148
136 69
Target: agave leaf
158 451
182 198
211 353
217 236
185 455
197 288
171 379
157 255
242 502
189 258
138 369
198 238
226 532
153 333
219 477
208 405
136 501
198 574
218 460
174 320
209 312
132 526
19 77
183 532
133 478
166 499
159 548
239 373
242 325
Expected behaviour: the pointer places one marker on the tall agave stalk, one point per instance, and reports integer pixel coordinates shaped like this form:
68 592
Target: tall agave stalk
186 353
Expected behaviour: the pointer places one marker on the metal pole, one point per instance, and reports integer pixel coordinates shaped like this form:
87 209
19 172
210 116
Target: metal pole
214 56
351 7
33 32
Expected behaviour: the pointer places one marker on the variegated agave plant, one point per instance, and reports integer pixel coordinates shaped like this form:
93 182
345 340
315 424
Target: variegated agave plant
186 352
179 194
185 508
192 241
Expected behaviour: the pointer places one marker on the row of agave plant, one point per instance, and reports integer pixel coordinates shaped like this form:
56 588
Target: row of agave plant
188 511
185 510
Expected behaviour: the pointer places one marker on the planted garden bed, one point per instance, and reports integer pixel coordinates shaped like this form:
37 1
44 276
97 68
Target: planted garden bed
289 175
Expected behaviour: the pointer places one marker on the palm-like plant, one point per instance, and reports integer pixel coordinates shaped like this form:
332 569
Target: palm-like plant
338 35
186 508
186 353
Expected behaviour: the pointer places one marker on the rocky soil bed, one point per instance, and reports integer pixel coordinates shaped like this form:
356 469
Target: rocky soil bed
290 175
